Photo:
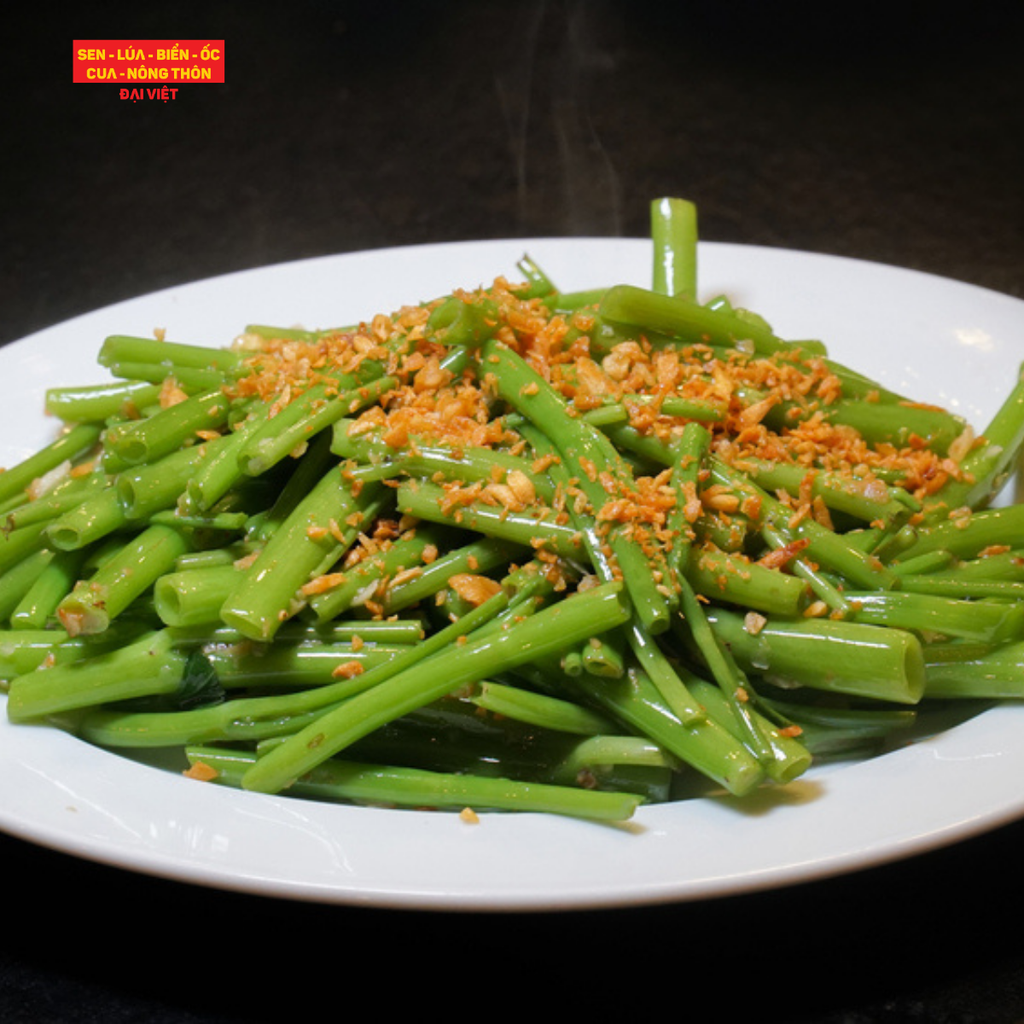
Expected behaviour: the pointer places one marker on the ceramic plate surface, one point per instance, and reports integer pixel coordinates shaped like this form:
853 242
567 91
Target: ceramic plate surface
937 340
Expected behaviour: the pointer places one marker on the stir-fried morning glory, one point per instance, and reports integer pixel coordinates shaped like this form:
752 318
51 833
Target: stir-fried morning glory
513 548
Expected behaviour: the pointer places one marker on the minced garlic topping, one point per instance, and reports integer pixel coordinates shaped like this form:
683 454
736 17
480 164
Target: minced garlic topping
433 405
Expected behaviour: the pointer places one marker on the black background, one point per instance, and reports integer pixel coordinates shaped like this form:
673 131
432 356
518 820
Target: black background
888 132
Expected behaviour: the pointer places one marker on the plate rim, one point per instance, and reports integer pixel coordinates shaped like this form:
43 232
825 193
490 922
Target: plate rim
154 863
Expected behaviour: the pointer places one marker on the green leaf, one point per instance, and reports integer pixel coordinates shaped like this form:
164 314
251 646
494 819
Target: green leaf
200 684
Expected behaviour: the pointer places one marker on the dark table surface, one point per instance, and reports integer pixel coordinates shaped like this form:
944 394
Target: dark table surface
885 132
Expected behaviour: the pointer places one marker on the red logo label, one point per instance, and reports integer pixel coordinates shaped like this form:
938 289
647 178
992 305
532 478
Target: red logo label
130 62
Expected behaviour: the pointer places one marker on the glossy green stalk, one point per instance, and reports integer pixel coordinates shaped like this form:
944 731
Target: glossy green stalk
413 787
172 428
97 516
538 283
663 674
997 573
825 547
226 722
822 587
63 497
316 409
226 554
572 302
784 757
617 413
596 757
896 424
941 585
97 403
482 556
577 516
855 658
214 522
69 446
605 656
294 665
368 579
306 665
253 718
464 320
831 732
194 597
18 578
390 632
984 619
722 576
972 671
727 674
155 486
118 348
189 379
23 650
41 603
537 708
313 537
869 500
375 576
146 667
967 537
304 478
428 501
546 631
467 464
273 332
95 602
591 458
673 225
926 564
688 457
221 470
997 565
17 545
986 466
572 663
702 743
685 320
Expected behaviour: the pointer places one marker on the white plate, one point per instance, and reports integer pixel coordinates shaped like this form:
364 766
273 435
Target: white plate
940 340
